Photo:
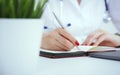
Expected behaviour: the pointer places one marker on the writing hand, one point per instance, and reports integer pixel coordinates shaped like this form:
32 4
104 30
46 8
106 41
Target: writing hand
59 40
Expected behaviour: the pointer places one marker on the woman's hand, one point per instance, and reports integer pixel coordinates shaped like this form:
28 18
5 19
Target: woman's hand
58 39
102 38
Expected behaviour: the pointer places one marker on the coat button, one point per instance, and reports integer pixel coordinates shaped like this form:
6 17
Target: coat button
45 27
69 24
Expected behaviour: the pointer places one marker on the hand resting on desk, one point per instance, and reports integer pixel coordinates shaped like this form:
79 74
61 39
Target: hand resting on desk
102 38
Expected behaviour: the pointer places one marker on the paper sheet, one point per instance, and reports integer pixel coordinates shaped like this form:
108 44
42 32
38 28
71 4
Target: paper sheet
83 48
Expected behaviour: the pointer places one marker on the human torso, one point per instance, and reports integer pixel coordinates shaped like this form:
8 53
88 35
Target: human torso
79 20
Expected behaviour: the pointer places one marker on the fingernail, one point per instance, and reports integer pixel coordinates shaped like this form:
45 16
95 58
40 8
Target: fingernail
92 44
77 43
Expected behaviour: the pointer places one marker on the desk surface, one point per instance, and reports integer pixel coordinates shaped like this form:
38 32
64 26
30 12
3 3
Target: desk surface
78 66
61 66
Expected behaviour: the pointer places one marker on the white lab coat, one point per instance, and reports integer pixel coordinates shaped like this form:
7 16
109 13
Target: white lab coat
84 18
114 7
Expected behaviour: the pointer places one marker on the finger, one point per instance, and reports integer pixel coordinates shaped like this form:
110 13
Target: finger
54 44
65 44
92 37
59 47
99 40
68 36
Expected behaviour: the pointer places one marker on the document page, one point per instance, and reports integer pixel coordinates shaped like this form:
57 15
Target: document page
82 48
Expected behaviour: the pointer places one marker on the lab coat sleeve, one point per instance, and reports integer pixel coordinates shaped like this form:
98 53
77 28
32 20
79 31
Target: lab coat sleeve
48 18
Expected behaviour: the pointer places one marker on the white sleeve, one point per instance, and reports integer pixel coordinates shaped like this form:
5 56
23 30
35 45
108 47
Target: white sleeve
48 18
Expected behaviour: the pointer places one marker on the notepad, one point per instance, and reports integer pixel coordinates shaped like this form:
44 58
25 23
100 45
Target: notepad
84 51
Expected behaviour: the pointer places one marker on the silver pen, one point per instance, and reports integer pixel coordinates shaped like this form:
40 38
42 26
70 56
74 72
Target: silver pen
60 23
